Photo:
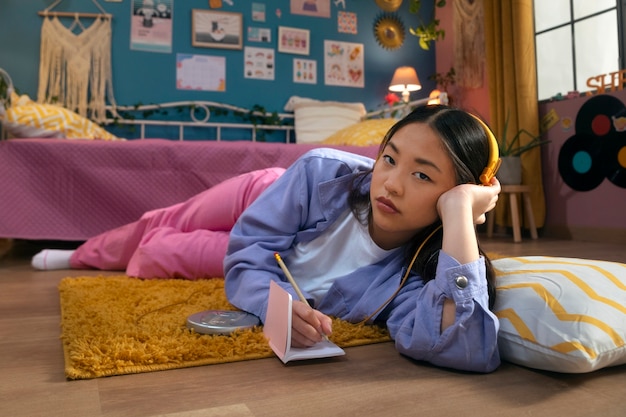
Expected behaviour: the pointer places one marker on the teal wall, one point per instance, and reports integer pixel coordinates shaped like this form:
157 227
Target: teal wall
147 77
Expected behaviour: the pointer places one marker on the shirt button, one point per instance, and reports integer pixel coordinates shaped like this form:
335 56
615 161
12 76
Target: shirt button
461 282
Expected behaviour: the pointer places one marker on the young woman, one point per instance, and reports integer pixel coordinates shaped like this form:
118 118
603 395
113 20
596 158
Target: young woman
391 241
348 229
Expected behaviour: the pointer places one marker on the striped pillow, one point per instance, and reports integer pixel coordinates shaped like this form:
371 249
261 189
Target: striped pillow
28 119
561 314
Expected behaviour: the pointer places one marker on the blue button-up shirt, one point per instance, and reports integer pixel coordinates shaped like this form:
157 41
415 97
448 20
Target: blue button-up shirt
299 207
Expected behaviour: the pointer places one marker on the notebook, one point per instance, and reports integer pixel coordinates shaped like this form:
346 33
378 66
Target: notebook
277 329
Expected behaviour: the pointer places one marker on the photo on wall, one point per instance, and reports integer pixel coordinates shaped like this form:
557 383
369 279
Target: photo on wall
315 8
293 40
259 63
347 22
210 29
200 72
258 12
344 64
151 25
259 34
304 71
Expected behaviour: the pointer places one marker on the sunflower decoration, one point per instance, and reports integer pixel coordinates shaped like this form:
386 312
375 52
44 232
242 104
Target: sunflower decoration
389 31
389 5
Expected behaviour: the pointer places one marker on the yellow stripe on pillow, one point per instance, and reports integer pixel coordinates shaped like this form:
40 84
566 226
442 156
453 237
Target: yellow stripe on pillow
29 119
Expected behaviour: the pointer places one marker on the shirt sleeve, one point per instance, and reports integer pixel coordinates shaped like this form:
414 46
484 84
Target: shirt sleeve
414 318
269 225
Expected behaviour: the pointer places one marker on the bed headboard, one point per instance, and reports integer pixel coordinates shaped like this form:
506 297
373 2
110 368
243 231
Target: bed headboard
210 116
207 115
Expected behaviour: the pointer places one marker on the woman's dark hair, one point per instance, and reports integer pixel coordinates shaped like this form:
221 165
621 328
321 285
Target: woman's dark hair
467 144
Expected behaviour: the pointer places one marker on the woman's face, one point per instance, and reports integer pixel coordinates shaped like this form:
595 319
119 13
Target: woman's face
412 172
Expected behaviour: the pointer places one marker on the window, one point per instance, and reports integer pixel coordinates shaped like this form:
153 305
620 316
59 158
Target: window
576 40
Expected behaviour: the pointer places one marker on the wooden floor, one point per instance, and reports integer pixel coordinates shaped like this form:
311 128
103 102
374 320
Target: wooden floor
369 381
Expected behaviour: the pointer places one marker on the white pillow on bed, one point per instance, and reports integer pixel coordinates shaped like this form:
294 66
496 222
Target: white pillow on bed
316 120
561 314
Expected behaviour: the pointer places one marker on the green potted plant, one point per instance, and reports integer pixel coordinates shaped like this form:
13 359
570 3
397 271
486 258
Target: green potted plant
427 32
510 172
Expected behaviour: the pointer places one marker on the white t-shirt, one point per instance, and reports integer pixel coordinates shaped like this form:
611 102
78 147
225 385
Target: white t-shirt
341 249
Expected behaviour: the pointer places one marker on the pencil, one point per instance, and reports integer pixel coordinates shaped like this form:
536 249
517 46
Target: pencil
290 278
293 283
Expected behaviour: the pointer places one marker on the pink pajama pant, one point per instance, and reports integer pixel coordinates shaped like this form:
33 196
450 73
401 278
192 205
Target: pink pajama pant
186 240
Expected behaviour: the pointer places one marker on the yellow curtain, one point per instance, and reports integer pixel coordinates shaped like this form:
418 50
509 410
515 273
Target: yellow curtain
512 78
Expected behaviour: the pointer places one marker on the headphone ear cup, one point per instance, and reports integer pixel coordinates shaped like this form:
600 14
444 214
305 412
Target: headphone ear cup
494 154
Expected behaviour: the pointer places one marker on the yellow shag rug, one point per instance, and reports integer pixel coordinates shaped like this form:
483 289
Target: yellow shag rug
117 325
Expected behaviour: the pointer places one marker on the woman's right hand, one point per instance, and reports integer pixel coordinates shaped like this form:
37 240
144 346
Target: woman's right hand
480 199
308 326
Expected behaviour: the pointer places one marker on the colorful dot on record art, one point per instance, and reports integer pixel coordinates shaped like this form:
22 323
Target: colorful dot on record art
581 162
621 157
601 124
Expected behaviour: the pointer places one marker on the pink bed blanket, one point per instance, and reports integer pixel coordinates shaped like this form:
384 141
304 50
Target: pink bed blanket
55 189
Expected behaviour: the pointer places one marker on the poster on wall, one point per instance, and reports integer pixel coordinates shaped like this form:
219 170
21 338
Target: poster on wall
258 12
259 63
293 40
315 8
259 34
346 22
304 71
210 29
200 72
344 64
151 25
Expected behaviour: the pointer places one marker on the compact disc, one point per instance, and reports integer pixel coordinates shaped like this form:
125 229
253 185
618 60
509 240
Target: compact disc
221 321
581 162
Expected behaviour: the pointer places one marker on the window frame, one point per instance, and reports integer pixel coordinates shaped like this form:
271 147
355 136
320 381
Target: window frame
620 8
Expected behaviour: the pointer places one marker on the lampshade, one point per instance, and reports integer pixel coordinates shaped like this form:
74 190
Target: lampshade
405 80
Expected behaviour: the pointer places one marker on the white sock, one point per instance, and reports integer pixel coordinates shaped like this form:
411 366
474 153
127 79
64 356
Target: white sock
52 259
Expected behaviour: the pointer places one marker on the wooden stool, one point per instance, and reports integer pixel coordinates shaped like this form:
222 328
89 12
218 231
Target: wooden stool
513 191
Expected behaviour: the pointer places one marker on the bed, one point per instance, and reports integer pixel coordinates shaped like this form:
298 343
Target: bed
54 188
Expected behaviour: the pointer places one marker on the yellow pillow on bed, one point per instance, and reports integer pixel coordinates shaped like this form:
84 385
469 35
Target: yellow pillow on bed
561 314
28 119
366 133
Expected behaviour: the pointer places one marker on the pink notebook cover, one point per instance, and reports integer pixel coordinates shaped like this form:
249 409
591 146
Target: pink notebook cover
277 329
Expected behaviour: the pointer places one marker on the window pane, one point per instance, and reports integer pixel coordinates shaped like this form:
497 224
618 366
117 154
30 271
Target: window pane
554 63
597 50
584 8
551 13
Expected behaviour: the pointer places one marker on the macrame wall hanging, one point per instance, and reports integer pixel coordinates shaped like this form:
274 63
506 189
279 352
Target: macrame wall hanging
469 53
75 63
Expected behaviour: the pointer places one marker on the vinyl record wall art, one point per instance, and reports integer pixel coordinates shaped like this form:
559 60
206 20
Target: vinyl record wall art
597 151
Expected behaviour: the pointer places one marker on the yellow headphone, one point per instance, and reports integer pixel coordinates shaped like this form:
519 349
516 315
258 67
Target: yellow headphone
494 156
